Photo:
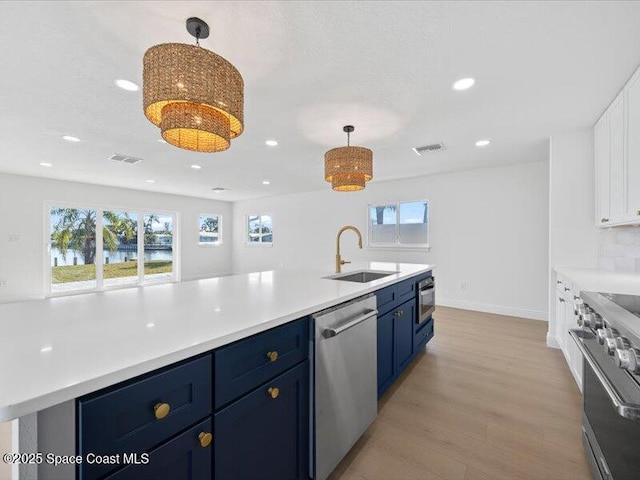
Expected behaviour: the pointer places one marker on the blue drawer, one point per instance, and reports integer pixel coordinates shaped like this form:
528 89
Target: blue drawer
406 290
181 458
241 367
386 299
123 419
423 335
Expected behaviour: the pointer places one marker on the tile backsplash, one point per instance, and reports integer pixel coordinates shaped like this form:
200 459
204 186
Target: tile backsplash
619 249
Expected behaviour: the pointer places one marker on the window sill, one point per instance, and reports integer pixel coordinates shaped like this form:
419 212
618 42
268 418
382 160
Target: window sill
424 248
259 244
207 245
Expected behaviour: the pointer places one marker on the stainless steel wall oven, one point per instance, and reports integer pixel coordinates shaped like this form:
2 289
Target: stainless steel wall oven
426 299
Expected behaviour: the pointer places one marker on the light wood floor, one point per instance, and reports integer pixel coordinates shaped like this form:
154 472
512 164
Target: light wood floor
487 400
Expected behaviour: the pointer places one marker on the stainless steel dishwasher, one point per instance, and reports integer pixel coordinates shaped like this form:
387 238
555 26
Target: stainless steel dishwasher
345 369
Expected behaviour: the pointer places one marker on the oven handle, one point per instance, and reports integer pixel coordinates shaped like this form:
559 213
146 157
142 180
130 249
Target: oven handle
426 291
624 409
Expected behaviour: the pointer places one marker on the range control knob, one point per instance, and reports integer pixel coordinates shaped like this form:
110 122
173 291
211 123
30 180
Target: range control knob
592 320
622 343
610 345
581 311
605 333
634 361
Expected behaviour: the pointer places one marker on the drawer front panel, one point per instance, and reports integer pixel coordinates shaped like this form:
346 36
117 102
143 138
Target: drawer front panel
386 299
182 458
407 290
241 367
423 335
125 420
262 437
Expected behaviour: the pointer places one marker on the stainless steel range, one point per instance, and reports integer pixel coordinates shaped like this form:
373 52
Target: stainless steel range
609 340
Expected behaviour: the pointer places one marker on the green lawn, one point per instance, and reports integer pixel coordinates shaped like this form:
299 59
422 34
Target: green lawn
79 273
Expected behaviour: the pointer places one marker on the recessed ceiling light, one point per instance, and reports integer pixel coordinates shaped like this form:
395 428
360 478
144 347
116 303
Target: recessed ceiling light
219 189
464 83
69 138
271 143
196 167
266 182
482 143
46 164
127 85
46 349
151 325
150 181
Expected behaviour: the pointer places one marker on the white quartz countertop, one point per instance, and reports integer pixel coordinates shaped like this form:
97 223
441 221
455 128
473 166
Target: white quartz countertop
604 281
58 349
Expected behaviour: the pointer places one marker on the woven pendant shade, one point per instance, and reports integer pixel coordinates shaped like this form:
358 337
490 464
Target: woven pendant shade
348 182
187 82
195 127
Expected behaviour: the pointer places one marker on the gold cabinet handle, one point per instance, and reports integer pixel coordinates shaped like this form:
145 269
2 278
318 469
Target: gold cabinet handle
273 356
161 410
274 392
205 439
397 313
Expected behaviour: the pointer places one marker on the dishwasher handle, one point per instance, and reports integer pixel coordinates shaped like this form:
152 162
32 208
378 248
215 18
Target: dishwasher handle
332 332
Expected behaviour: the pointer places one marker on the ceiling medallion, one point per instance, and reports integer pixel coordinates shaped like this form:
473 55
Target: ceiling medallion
348 168
195 96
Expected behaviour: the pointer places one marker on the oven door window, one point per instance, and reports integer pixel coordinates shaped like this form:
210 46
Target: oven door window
618 437
427 303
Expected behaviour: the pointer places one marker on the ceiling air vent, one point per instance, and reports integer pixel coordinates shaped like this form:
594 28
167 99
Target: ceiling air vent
118 157
434 147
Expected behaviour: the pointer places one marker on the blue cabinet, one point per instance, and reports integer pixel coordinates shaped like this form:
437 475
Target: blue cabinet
395 343
265 434
400 338
136 416
185 457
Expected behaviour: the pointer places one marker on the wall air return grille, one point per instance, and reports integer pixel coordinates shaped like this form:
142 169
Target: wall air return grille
433 148
118 157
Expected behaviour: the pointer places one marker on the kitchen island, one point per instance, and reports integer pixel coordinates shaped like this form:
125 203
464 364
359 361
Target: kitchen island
56 350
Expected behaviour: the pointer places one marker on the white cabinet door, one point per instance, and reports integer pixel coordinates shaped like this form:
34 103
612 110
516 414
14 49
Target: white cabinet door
617 206
633 148
574 357
601 151
560 321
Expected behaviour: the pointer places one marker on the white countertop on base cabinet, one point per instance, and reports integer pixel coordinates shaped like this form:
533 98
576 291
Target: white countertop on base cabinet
61 348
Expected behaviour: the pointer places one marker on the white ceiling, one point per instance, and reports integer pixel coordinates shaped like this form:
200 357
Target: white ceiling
309 69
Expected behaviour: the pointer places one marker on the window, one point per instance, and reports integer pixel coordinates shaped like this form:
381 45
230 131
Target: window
91 248
404 224
259 229
210 230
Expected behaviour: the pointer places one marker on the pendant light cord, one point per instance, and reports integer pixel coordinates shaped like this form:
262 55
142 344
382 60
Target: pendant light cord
348 139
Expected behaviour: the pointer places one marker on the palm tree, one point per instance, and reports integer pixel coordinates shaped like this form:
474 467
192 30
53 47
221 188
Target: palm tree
75 230
149 234
209 225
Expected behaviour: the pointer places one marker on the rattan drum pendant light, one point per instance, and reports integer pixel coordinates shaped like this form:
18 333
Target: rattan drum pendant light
348 168
195 96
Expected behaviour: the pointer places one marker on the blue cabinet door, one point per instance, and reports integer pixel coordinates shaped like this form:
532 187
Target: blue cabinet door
403 331
182 458
264 436
386 369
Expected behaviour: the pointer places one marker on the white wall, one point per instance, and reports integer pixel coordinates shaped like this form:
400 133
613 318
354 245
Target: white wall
22 210
489 229
573 240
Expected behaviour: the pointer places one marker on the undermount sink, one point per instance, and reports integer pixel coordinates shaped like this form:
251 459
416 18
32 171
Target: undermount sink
363 276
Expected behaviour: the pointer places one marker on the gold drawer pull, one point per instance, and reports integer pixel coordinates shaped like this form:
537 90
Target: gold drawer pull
205 439
273 356
274 392
161 410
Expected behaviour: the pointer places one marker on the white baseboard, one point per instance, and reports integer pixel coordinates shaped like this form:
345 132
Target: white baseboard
552 341
206 275
497 309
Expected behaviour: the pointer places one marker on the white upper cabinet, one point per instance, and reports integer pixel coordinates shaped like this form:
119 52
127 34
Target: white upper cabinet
633 148
617 159
601 149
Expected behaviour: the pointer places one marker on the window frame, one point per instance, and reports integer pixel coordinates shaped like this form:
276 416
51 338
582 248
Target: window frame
220 238
247 243
397 245
99 255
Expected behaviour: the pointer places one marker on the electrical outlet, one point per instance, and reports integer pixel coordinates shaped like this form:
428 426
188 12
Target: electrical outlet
14 238
463 286
3 283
